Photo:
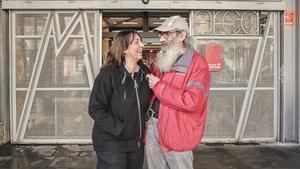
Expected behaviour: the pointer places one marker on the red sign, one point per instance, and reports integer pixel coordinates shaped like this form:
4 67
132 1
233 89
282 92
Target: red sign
289 18
213 53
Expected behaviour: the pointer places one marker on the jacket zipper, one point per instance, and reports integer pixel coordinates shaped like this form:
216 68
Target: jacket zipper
139 109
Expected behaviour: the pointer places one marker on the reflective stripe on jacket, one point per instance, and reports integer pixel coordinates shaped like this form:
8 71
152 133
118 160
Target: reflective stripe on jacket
183 93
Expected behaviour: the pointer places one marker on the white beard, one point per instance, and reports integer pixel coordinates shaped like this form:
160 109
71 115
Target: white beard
168 55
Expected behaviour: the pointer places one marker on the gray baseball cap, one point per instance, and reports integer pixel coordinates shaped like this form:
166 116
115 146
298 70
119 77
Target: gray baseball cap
174 22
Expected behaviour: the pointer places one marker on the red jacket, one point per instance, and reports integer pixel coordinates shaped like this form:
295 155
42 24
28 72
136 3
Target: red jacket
183 94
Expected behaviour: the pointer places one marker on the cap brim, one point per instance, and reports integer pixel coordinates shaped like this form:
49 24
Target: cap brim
163 29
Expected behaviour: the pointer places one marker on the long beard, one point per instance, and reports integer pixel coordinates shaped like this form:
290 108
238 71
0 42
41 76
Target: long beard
168 55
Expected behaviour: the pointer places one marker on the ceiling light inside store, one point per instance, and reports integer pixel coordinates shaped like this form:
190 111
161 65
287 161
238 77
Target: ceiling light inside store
163 18
130 23
116 18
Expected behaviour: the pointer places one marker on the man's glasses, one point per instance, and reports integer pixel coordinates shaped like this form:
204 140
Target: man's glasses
165 34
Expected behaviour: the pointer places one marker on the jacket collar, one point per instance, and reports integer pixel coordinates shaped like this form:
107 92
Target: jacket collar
127 68
126 75
184 61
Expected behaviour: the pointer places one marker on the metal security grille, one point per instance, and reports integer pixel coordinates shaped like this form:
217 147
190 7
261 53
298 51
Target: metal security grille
55 56
243 101
53 67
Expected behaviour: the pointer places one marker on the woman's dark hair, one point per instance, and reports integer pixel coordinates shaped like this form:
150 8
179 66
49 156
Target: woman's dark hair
121 42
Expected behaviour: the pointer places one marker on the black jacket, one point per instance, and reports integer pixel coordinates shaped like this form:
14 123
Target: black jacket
118 104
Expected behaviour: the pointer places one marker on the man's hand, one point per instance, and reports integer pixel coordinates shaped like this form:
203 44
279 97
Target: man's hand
152 80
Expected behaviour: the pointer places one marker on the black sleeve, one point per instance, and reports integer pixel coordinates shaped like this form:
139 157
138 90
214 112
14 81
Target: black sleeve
99 105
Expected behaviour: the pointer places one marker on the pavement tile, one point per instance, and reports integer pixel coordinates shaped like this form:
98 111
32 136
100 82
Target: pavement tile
6 150
66 151
74 162
5 162
206 156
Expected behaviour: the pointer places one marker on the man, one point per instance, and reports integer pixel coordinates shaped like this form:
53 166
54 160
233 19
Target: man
180 82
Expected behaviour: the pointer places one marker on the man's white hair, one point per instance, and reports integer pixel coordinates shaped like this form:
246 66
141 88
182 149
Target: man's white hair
189 42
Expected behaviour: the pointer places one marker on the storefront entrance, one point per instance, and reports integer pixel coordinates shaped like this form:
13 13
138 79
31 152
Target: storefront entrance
143 22
57 54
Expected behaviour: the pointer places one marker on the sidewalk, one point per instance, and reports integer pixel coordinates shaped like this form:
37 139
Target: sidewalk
206 156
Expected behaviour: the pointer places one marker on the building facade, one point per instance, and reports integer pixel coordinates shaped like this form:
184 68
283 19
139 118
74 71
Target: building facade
52 51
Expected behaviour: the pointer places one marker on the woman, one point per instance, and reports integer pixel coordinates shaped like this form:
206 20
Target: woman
118 104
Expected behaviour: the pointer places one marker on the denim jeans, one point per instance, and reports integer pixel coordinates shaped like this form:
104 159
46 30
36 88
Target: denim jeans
120 160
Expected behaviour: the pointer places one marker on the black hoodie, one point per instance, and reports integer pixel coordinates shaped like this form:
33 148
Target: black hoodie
118 104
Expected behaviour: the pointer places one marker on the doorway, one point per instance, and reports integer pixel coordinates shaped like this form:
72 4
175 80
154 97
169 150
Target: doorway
143 22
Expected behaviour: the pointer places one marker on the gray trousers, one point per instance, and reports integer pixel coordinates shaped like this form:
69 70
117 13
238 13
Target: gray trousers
157 159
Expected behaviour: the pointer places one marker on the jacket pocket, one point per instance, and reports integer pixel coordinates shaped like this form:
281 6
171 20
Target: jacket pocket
178 131
130 129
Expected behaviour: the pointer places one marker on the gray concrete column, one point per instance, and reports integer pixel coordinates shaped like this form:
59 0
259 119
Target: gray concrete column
289 116
4 77
298 67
